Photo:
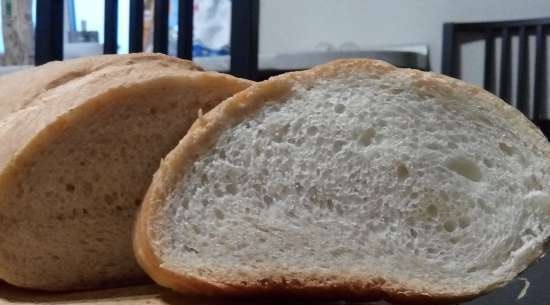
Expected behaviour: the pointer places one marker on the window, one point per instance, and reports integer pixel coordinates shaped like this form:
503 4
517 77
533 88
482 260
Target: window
87 16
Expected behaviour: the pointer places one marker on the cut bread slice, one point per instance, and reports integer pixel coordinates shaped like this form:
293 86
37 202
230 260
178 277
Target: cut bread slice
353 180
77 158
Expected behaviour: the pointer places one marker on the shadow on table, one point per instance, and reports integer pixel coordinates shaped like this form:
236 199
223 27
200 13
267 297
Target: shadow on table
146 293
538 293
135 295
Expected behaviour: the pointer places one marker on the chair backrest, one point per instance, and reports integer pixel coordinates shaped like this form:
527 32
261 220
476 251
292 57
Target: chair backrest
49 28
245 19
244 31
489 31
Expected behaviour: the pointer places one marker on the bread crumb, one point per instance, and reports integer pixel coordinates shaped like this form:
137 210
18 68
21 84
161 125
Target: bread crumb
523 291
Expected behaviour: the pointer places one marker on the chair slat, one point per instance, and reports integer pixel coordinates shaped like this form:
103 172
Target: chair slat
110 46
185 29
540 73
160 30
244 38
450 51
49 31
505 67
489 67
136 26
522 94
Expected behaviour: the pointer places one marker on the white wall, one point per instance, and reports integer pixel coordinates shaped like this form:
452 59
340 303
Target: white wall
294 25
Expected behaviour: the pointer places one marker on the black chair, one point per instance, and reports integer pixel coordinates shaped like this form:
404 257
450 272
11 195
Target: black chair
244 44
454 34
49 28
244 31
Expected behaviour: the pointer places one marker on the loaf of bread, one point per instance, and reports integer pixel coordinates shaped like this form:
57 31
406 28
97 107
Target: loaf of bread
353 180
80 141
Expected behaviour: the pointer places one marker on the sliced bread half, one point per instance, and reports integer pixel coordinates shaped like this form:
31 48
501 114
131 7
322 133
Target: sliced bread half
76 159
353 180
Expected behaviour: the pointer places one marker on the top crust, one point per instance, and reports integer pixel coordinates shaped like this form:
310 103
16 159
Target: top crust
23 89
206 130
96 76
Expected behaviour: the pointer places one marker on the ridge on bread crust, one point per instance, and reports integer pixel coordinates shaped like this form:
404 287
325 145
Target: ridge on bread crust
26 88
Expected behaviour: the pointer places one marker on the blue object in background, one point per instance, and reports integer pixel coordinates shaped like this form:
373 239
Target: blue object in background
212 28
202 51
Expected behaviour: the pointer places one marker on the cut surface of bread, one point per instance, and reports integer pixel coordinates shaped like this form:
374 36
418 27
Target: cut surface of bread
74 167
353 180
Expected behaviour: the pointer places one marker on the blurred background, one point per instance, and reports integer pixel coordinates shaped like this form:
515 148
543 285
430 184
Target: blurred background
500 45
286 29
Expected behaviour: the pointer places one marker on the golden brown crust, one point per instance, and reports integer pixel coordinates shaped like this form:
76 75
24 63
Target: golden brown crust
33 124
23 94
59 103
203 134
